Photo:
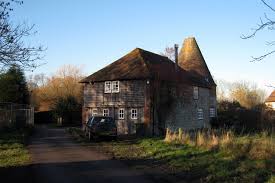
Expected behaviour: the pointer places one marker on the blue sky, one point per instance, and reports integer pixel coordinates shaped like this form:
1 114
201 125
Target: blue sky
94 33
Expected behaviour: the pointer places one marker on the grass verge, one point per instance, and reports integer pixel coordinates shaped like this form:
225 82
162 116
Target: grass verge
12 147
189 162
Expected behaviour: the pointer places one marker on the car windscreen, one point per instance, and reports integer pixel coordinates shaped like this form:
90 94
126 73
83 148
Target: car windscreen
96 120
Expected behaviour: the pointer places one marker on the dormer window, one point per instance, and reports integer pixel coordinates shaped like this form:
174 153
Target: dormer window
111 87
196 92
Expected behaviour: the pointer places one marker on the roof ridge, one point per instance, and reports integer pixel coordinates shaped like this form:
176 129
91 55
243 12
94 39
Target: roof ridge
153 53
145 63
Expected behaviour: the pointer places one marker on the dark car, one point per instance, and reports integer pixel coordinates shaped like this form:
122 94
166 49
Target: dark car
99 126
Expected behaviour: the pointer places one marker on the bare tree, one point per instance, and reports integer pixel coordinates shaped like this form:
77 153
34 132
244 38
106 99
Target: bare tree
223 90
13 50
169 52
247 94
265 23
64 83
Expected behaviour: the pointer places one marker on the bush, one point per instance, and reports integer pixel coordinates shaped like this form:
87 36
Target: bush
233 115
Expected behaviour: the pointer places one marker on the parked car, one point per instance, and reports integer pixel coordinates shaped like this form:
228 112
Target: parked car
100 126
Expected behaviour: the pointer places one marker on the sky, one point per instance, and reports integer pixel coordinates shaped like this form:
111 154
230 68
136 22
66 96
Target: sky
94 33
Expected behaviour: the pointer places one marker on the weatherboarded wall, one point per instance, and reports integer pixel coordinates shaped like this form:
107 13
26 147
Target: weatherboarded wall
131 95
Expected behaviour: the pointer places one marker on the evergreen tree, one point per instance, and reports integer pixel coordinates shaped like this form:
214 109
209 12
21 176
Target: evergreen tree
13 86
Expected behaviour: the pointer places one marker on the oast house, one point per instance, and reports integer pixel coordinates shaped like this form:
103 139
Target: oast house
146 92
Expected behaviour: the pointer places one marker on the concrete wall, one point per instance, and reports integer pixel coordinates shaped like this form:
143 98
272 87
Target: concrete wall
183 108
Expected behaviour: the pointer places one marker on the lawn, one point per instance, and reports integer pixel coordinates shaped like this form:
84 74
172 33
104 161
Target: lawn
190 162
13 151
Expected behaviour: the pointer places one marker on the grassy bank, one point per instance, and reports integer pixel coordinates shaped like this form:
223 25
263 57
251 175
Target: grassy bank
12 147
243 161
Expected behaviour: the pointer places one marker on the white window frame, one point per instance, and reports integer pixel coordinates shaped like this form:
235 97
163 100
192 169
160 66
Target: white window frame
108 87
196 92
94 112
105 112
134 115
115 86
121 113
212 112
200 113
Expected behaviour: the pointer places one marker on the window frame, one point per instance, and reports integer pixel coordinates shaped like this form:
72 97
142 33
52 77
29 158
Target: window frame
108 113
195 92
200 115
115 90
121 115
136 113
109 88
94 113
212 112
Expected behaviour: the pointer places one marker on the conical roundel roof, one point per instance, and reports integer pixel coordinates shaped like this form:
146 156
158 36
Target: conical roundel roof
271 98
191 59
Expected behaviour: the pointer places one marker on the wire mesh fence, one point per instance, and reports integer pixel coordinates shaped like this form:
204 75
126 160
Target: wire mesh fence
18 115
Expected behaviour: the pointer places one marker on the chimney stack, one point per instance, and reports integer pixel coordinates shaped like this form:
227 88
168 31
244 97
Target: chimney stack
176 56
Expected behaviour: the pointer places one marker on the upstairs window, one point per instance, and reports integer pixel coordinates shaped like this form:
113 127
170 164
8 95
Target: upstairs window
115 86
111 87
200 113
105 112
121 114
133 113
108 87
212 112
196 92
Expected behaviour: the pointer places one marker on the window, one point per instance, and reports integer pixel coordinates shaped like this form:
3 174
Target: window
115 86
107 88
111 87
212 112
105 112
200 113
133 113
121 114
196 92
94 112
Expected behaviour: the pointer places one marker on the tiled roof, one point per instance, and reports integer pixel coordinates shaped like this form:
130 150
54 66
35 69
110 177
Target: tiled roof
191 59
142 64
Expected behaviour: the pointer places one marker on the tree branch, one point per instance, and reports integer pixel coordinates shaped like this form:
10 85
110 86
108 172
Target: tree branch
256 59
